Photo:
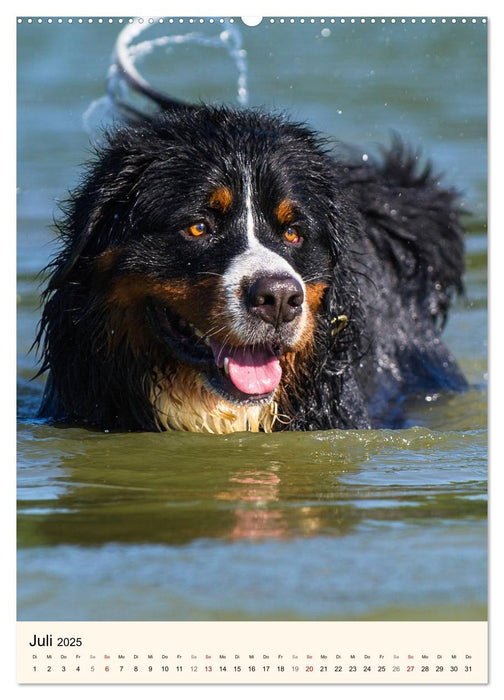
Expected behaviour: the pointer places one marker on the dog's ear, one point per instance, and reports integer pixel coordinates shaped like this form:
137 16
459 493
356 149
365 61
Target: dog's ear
96 215
343 318
331 396
98 220
337 395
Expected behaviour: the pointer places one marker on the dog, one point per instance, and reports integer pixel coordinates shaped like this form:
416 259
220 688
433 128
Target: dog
223 270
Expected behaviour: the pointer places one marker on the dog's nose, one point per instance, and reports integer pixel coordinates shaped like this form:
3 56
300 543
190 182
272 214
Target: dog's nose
275 299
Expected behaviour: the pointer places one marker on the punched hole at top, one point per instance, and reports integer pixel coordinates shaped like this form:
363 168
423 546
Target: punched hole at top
251 21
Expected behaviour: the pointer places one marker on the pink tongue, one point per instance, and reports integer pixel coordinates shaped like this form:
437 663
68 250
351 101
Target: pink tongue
252 370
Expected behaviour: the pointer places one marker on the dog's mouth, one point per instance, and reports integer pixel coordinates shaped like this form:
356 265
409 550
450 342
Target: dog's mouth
238 373
246 372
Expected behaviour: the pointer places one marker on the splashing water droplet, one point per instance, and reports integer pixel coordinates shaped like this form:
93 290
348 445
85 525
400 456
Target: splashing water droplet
105 109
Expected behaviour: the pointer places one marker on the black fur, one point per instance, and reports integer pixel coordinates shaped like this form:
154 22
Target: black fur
382 234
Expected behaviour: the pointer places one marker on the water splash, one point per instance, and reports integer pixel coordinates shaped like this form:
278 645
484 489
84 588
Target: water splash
105 109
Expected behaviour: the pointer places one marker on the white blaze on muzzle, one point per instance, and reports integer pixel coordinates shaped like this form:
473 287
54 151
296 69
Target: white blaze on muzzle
253 368
256 261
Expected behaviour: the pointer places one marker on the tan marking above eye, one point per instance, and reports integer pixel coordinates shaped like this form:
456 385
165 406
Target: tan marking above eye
285 212
105 260
221 199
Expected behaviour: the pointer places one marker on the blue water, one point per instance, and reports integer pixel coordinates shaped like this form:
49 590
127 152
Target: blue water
335 525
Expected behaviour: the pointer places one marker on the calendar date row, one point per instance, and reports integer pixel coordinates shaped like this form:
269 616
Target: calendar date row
308 668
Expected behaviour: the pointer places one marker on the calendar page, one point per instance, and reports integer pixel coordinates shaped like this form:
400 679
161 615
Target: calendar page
252 350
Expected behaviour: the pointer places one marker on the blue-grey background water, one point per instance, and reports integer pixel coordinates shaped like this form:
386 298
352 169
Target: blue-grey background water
331 525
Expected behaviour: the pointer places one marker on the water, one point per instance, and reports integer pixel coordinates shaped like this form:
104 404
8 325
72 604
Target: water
330 525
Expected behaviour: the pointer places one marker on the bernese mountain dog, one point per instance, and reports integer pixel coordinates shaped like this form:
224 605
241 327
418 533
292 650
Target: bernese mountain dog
222 270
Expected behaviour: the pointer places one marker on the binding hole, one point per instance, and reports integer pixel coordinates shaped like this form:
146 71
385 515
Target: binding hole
251 21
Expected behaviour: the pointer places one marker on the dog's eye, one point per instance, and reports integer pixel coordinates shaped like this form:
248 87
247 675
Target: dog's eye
292 235
200 228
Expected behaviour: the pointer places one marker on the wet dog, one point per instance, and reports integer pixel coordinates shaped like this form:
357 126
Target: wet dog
221 270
